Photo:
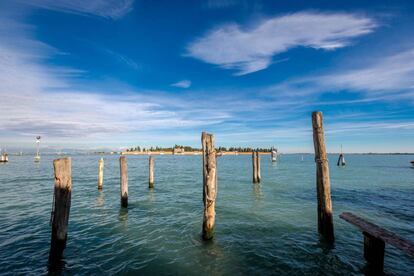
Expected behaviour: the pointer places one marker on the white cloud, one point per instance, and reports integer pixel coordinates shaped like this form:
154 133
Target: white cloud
104 8
251 49
385 78
182 84
386 74
37 98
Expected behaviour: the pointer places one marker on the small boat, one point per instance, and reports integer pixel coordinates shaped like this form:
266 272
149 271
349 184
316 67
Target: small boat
4 158
412 163
341 159
273 155
37 156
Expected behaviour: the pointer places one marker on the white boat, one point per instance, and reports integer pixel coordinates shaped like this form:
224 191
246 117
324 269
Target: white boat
274 155
341 159
4 157
37 156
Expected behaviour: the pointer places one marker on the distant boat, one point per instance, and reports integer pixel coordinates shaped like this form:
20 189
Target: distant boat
274 155
412 163
4 157
37 156
341 159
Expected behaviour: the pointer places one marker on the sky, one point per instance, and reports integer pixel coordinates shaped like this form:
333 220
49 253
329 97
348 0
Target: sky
121 73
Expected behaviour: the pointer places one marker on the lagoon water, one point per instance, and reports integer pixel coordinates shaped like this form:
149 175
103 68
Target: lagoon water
260 229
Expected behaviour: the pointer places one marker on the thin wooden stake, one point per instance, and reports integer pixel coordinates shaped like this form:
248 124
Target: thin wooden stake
259 177
323 185
61 207
151 172
209 184
124 180
100 173
254 165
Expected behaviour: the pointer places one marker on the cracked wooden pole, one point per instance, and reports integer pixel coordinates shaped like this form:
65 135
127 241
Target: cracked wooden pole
100 173
151 172
209 184
254 165
61 208
124 180
323 186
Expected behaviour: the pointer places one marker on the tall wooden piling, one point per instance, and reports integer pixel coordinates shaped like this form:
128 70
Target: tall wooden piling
259 177
61 207
100 173
323 186
256 167
209 184
151 172
254 164
124 180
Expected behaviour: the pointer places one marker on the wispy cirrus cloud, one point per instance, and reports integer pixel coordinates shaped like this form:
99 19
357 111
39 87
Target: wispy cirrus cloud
182 84
37 98
385 78
113 9
250 49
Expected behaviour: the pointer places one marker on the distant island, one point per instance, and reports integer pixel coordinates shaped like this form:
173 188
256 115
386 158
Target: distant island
187 150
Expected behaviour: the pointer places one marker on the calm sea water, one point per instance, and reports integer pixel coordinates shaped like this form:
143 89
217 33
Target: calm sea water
260 229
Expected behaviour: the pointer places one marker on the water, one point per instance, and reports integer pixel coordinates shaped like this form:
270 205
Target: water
260 229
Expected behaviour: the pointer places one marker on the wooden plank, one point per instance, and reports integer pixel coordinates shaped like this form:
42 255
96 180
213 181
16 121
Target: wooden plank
379 233
209 184
323 182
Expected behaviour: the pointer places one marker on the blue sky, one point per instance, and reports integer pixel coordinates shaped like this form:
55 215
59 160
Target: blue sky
123 73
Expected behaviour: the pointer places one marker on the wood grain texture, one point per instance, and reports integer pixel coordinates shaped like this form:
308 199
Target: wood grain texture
124 180
323 185
379 233
151 172
61 208
209 184
100 173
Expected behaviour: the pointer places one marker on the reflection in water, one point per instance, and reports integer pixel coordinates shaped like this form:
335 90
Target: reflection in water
257 190
151 195
123 215
100 200
56 266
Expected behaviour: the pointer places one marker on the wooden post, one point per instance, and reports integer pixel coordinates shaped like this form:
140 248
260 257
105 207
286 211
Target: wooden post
323 186
374 250
256 167
254 164
259 177
124 180
61 207
100 173
151 172
209 184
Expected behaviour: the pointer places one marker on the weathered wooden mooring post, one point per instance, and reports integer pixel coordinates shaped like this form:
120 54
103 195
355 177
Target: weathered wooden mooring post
100 173
323 186
61 208
256 167
124 180
151 172
209 184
